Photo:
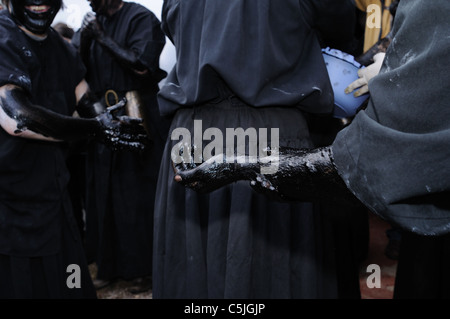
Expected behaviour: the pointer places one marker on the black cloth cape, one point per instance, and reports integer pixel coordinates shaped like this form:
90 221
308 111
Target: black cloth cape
395 154
251 63
121 185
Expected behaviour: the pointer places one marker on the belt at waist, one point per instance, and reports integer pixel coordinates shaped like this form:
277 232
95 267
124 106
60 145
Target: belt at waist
110 97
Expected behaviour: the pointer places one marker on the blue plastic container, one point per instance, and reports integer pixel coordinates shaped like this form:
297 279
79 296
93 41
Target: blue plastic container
343 70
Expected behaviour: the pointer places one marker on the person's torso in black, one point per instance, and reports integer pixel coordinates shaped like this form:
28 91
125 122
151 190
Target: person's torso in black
33 174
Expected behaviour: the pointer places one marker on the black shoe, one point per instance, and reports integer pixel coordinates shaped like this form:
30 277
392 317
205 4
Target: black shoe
140 285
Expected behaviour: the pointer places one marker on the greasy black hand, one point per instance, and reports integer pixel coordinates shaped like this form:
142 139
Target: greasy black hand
282 184
124 55
264 186
210 175
121 132
307 175
90 26
300 175
219 171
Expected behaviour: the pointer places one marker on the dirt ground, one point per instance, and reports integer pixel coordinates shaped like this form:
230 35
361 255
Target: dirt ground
118 289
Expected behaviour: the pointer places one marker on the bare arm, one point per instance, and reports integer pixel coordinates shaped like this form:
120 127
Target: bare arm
19 117
300 175
10 126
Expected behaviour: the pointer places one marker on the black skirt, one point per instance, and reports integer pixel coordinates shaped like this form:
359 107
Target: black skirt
234 242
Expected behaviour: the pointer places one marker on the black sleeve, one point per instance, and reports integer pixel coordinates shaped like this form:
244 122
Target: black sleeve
395 154
169 7
76 39
15 61
147 39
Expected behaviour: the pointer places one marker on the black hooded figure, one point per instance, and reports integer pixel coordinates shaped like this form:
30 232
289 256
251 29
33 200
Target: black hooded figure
120 43
246 66
41 85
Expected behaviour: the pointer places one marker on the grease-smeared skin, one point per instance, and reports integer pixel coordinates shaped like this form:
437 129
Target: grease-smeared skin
117 133
210 176
306 175
92 31
88 107
302 175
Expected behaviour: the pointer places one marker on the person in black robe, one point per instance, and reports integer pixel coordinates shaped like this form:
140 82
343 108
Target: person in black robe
41 82
121 45
245 64
393 157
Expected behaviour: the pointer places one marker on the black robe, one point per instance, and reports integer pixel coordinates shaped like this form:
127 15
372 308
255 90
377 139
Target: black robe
38 234
121 185
246 64
395 154
267 53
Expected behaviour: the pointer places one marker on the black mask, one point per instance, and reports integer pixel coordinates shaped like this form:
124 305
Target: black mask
35 15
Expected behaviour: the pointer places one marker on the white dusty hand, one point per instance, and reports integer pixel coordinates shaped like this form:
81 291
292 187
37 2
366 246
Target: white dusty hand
365 75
